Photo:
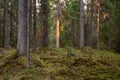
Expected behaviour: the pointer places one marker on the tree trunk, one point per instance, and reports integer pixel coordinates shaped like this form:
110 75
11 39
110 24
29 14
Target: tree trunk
6 26
58 24
81 24
90 35
30 24
22 28
34 25
98 25
11 32
28 32
44 11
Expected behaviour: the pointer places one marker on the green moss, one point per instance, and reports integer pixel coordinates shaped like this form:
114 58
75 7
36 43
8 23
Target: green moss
61 64
7 57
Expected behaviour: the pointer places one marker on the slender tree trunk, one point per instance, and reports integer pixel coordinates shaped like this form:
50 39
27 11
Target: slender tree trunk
6 26
58 25
2 29
98 25
34 25
57 33
11 32
90 36
28 32
45 26
30 24
22 28
41 29
41 24
81 24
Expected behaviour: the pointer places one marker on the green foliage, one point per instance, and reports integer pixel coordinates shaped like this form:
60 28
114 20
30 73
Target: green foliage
110 29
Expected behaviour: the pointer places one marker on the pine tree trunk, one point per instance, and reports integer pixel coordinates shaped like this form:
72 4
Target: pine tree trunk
34 25
57 24
28 32
22 28
6 26
45 11
90 34
30 24
98 25
81 24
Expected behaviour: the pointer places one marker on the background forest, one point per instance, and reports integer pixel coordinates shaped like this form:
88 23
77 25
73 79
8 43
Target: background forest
100 20
38 33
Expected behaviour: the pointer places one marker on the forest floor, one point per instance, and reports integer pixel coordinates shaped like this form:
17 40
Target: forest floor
61 64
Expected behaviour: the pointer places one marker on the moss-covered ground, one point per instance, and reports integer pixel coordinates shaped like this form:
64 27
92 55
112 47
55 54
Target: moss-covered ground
61 64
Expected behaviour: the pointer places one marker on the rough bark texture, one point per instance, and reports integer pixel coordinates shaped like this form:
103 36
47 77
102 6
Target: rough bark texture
28 32
44 11
81 24
6 26
22 28
90 30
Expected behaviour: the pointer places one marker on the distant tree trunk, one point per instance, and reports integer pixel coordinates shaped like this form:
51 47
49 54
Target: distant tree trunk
28 32
6 26
2 32
31 39
41 28
44 11
57 24
81 24
98 25
34 25
11 32
90 34
22 28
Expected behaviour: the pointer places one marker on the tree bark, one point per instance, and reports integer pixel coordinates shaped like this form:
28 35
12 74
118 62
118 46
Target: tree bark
81 24
28 32
90 35
6 26
98 25
34 24
22 28
44 11
58 24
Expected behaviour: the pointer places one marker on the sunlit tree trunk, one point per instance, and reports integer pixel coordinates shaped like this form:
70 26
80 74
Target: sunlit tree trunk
81 24
57 24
